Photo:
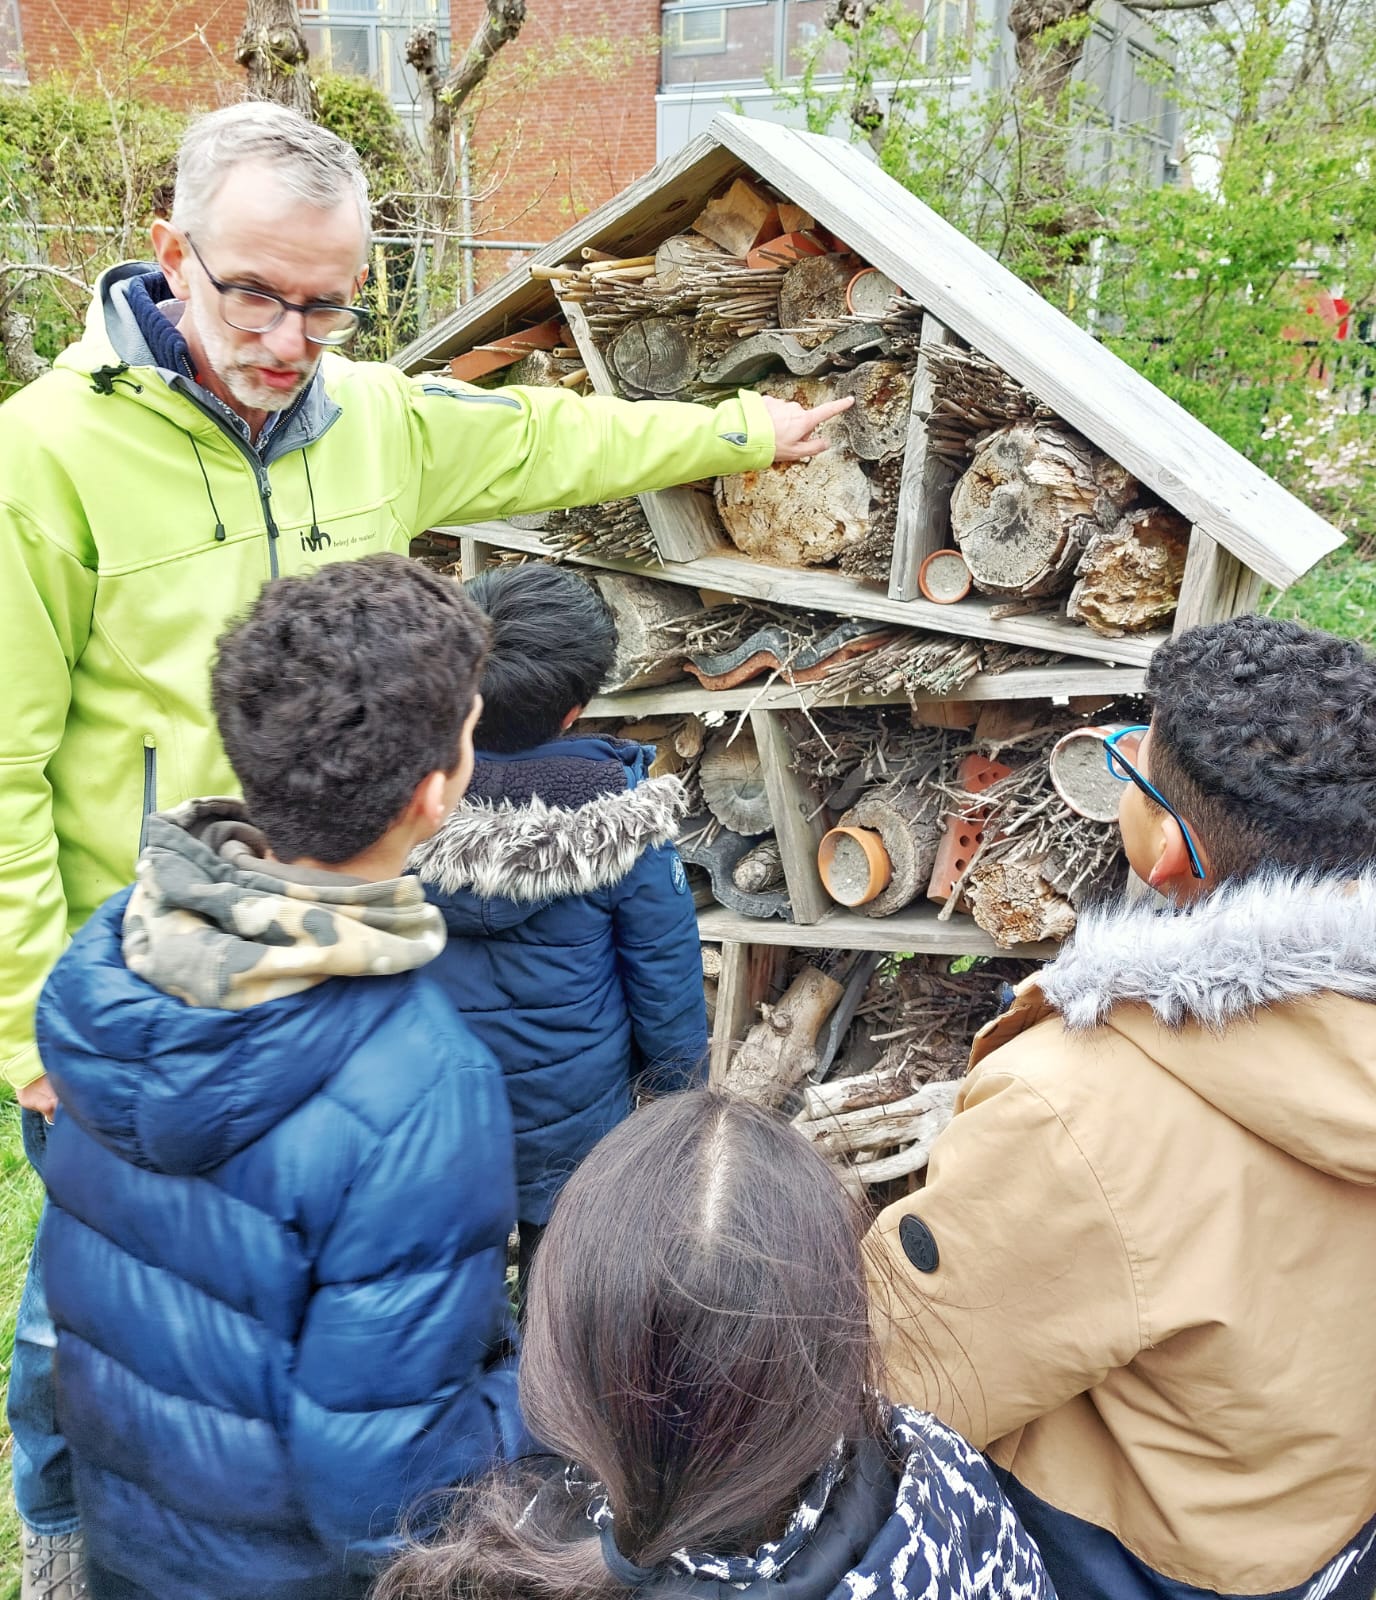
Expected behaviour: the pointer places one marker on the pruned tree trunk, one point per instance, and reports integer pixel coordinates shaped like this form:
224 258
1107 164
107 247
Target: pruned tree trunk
1028 504
272 50
779 1052
443 94
16 341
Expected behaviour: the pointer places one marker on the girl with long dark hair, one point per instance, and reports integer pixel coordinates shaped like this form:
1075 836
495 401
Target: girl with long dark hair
698 1358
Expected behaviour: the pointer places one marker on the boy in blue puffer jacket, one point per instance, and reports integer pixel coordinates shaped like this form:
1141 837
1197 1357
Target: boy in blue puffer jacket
281 1179
573 949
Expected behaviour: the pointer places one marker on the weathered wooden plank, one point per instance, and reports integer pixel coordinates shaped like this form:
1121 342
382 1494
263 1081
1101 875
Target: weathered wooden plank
916 929
683 521
750 974
1068 681
474 556
1216 584
664 201
823 590
1183 461
798 822
924 496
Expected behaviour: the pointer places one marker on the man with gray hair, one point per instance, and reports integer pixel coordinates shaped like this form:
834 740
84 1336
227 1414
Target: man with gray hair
204 436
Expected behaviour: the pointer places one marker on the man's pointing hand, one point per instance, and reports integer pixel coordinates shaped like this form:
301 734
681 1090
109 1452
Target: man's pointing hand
794 427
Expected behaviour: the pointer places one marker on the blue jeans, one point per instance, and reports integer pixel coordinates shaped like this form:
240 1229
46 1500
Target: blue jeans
42 1468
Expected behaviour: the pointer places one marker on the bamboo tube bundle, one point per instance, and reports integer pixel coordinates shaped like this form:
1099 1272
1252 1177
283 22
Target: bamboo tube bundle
971 397
615 531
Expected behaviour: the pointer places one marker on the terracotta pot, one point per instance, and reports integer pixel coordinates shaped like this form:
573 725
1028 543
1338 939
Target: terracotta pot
868 293
944 578
841 879
1080 775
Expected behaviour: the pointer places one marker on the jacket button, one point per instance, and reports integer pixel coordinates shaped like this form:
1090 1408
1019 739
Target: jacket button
918 1244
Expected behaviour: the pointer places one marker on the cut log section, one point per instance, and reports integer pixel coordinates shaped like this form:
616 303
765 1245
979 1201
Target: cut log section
733 786
1014 904
813 290
907 817
803 515
781 1050
649 648
761 869
653 358
1028 504
1128 579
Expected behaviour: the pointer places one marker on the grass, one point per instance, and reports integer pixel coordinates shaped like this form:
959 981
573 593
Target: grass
20 1198
1339 594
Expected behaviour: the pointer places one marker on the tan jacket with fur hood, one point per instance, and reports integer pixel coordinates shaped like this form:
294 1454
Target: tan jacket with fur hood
1143 1268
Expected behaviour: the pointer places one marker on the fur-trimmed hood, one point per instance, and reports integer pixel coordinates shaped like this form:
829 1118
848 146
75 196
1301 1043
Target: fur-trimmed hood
1259 997
1262 942
531 853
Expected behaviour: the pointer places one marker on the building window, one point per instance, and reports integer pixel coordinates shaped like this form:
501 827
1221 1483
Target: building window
747 42
11 51
367 38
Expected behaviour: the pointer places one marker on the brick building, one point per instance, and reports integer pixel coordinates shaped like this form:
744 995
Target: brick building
589 96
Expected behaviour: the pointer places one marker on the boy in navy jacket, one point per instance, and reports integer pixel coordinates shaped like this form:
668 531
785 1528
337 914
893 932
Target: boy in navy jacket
573 950
281 1180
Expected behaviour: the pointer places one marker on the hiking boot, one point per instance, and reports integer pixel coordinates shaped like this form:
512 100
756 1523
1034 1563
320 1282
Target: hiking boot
54 1567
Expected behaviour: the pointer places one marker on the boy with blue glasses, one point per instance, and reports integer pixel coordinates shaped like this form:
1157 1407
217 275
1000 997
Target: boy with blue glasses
1138 1272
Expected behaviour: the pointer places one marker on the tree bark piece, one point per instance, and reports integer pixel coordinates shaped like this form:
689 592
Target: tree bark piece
1028 504
653 358
739 219
805 514
876 426
780 1051
1014 903
733 786
1128 579
907 817
649 647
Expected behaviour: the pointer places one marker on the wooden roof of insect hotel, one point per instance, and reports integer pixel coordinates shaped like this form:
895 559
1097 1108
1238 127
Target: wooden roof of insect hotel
1252 528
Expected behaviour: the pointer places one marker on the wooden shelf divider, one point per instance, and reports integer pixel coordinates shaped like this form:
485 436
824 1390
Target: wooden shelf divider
923 522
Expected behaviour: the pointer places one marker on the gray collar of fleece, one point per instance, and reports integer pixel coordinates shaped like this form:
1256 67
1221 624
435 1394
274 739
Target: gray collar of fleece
536 852
1269 939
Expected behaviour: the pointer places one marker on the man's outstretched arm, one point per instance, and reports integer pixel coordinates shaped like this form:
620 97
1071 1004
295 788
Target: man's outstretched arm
493 452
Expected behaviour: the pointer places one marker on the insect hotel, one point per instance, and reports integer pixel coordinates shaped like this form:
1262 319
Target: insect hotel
883 674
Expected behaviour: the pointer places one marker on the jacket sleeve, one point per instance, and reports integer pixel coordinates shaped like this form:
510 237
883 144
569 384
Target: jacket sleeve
659 960
1029 1294
404 1380
46 596
492 452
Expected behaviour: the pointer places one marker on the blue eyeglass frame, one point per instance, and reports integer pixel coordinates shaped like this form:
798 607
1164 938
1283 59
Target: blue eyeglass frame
1121 768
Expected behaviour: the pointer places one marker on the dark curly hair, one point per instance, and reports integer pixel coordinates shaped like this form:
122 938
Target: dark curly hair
1264 737
338 692
553 644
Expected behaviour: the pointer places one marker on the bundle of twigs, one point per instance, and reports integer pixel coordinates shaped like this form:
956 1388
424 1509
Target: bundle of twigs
849 750
919 665
971 396
615 531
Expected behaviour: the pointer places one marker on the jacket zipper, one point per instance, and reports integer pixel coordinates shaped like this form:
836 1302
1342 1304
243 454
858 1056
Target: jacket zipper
150 786
260 479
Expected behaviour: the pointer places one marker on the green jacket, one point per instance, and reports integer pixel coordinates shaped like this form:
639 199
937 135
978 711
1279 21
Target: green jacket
135 524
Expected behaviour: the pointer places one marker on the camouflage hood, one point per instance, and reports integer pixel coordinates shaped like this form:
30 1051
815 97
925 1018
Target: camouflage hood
214 923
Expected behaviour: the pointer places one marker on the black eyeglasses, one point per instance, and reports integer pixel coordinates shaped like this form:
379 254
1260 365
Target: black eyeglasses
1121 767
259 311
